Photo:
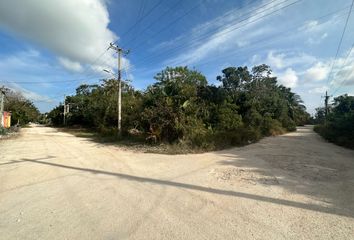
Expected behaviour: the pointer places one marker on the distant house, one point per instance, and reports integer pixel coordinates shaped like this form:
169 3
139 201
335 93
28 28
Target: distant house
6 119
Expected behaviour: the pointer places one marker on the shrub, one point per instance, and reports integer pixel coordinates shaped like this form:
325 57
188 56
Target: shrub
339 126
271 127
3 131
181 109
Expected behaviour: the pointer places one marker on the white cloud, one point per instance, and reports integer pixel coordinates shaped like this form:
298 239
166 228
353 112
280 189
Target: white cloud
278 60
234 29
316 31
345 76
343 71
325 35
77 31
275 61
29 60
228 35
31 74
30 95
255 59
309 26
317 72
317 39
289 78
70 65
319 89
317 27
311 70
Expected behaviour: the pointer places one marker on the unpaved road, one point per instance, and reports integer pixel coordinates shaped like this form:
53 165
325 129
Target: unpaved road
56 186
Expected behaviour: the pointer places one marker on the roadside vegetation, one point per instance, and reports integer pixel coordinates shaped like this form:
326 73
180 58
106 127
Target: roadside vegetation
338 127
181 109
22 111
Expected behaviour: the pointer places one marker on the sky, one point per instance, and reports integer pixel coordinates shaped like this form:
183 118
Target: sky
49 48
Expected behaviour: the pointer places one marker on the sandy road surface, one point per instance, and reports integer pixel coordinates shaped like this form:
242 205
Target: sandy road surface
56 186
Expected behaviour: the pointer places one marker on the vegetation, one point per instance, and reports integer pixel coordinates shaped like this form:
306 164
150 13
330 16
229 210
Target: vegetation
339 125
182 109
3 131
22 110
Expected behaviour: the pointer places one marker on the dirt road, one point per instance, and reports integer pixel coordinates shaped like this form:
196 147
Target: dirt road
56 186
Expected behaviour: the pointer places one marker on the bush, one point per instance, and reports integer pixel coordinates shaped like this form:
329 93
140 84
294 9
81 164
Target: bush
3 131
339 127
331 134
197 135
107 131
272 127
181 109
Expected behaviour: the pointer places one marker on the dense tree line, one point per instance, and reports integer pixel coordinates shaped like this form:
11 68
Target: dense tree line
338 127
181 107
22 110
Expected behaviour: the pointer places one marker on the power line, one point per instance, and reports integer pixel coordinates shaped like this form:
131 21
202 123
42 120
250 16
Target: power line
178 19
184 15
89 77
154 22
96 60
140 13
140 19
98 57
131 28
32 99
255 45
347 75
44 82
205 36
340 42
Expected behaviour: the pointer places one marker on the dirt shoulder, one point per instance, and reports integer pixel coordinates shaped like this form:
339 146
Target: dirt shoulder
57 186
10 133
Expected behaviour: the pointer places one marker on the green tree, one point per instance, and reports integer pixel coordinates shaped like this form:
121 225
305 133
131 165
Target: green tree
171 103
180 107
22 110
339 125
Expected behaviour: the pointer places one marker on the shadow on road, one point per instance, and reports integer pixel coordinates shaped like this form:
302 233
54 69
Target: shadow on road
22 161
301 163
311 207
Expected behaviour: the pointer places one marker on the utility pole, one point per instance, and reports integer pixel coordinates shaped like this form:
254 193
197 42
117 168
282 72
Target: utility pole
2 95
119 51
64 110
326 97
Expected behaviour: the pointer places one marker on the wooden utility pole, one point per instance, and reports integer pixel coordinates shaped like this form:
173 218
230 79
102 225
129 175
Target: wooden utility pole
119 51
326 97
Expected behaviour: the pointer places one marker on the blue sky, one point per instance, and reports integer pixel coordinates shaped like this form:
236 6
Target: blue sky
48 48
